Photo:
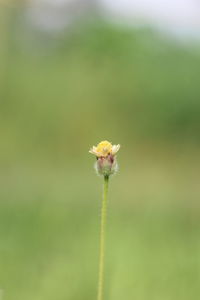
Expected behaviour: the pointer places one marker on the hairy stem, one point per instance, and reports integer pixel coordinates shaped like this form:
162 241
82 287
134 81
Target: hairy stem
102 238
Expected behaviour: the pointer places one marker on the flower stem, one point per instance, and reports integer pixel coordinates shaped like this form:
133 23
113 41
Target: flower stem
102 238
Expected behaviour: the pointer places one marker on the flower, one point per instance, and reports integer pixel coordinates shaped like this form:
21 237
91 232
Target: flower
104 149
105 153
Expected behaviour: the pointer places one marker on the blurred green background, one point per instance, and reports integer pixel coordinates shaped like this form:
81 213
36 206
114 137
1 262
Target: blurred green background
62 93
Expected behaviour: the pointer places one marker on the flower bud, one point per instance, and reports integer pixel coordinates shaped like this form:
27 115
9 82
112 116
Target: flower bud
106 166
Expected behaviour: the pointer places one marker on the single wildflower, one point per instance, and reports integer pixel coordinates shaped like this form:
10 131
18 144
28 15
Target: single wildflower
105 153
105 165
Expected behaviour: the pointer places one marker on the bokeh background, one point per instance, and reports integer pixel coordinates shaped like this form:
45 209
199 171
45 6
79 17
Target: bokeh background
73 73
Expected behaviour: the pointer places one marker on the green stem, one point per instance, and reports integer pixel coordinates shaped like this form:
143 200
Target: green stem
102 239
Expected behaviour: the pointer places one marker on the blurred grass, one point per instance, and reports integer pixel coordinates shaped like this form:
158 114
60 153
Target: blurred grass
49 225
59 96
49 239
134 86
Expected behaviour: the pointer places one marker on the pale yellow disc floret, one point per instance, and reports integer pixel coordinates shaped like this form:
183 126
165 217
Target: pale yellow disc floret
104 148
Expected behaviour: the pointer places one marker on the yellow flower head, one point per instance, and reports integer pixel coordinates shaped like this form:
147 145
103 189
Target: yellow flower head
104 149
